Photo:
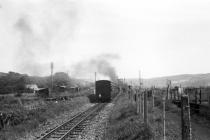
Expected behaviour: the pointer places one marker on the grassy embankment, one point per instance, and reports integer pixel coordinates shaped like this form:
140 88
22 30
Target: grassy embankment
125 124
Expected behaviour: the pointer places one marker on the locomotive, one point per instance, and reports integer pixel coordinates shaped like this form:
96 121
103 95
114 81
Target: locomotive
106 90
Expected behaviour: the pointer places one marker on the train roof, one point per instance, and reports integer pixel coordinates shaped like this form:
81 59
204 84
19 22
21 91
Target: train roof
112 83
103 80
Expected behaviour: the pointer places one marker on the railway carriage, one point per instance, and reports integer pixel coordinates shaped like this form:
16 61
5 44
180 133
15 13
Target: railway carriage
106 90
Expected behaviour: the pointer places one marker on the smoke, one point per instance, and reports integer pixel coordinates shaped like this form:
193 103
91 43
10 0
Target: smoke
30 47
42 31
100 64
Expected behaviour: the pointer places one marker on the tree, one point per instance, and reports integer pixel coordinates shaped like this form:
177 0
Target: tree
61 78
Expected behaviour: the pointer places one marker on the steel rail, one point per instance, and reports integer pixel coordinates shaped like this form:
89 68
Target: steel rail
77 124
71 124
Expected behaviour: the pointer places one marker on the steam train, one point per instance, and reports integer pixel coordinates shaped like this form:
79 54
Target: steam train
106 90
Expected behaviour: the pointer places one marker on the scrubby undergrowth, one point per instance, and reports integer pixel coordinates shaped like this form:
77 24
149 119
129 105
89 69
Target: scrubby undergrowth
31 119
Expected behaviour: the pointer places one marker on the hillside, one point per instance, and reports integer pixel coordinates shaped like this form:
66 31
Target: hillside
2 74
195 80
15 82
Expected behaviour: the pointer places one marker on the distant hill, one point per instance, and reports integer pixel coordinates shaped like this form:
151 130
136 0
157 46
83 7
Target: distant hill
186 80
12 82
2 74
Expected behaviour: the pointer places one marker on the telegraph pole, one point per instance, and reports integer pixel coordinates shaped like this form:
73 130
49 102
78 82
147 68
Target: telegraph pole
140 79
139 95
95 83
95 76
51 67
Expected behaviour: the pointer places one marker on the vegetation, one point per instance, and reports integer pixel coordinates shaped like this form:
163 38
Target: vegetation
12 82
16 83
59 78
28 120
169 106
125 124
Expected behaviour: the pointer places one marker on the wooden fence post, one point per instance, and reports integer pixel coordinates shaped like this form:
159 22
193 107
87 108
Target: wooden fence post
185 118
129 93
209 99
164 119
142 101
196 96
200 96
167 93
137 102
145 109
153 100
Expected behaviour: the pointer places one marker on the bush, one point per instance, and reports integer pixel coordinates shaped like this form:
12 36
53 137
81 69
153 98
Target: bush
27 120
157 101
144 134
19 94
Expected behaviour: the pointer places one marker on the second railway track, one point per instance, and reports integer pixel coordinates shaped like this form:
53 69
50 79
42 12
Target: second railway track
70 129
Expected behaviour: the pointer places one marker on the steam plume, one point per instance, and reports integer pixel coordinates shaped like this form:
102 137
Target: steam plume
100 64
30 47
42 33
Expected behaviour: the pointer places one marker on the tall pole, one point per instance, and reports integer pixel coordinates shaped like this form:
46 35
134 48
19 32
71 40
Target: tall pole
139 94
51 66
95 76
68 73
164 118
140 79
95 83
185 118
145 109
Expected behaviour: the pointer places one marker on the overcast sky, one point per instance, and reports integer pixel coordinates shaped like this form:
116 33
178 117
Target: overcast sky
158 37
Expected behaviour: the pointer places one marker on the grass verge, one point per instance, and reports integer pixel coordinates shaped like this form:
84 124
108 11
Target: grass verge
125 124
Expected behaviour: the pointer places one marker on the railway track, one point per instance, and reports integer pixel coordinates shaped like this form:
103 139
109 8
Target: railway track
71 128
